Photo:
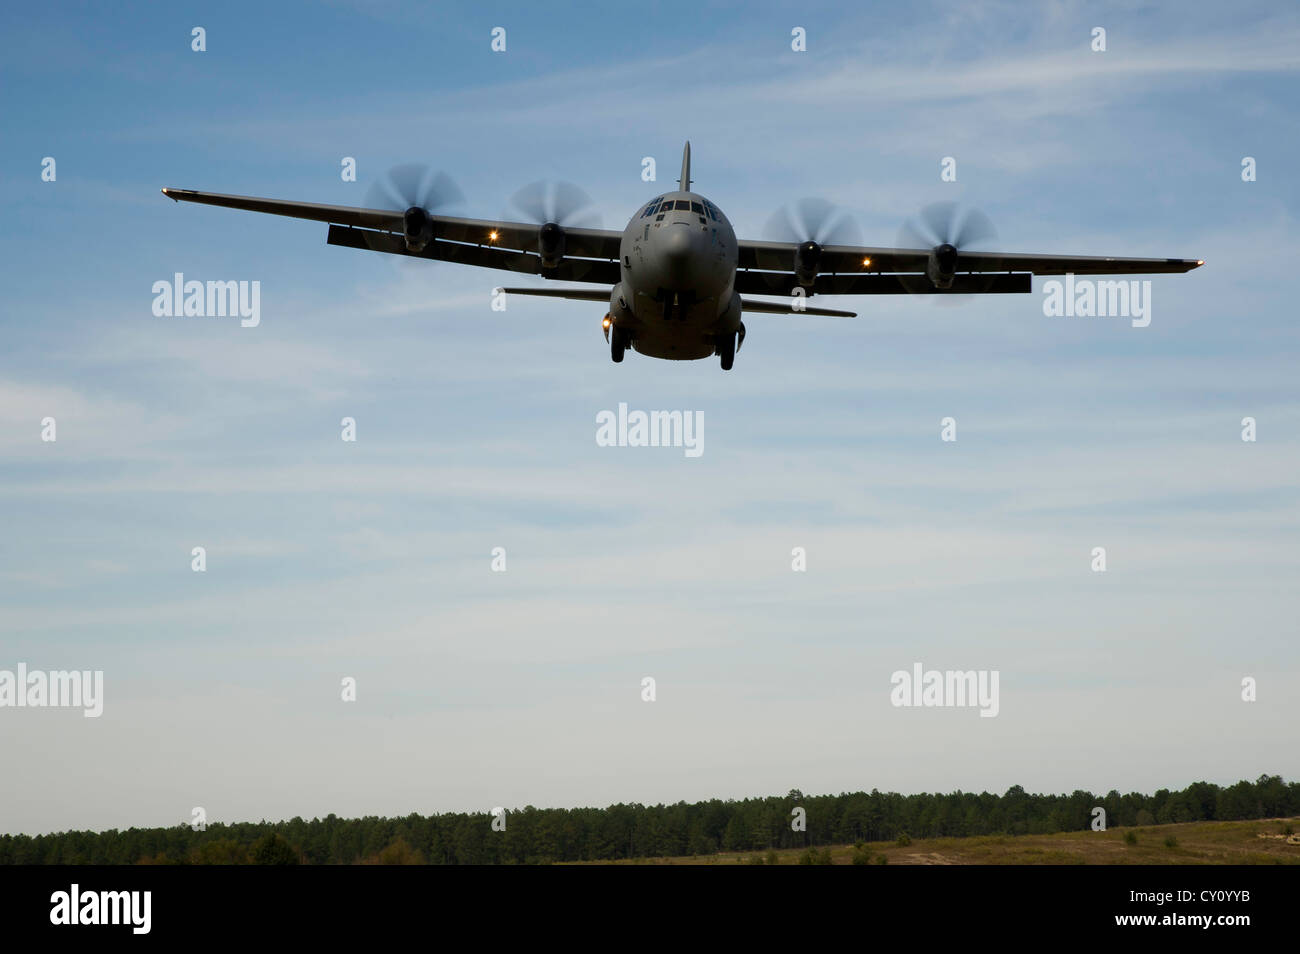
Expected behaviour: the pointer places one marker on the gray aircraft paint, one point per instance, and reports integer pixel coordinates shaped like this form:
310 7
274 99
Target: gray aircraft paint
676 293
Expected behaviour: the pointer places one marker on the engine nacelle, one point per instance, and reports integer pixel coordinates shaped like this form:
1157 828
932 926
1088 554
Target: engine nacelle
942 266
619 309
807 257
417 228
550 244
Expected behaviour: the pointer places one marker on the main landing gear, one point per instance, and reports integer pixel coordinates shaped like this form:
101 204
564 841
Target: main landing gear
727 350
728 344
618 339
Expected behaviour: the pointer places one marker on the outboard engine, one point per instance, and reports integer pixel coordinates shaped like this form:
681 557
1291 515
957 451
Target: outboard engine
942 266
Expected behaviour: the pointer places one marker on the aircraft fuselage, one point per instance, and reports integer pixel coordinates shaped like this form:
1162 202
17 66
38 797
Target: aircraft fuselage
676 296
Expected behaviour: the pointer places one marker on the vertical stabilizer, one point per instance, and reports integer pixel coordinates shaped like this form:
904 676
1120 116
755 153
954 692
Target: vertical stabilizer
685 180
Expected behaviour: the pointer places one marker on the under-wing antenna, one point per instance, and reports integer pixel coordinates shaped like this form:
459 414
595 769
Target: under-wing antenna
685 180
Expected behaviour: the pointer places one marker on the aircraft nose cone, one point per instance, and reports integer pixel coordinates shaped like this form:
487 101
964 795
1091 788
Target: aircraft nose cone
675 250
675 244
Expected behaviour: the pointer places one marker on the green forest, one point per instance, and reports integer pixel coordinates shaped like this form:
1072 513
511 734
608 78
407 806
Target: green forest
545 835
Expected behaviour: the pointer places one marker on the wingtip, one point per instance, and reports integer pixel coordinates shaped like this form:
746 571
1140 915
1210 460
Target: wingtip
168 192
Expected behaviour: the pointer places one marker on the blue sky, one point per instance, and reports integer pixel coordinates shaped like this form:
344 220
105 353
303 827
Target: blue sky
476 428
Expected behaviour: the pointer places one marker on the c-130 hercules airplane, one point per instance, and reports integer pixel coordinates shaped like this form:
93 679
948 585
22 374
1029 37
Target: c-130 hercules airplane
677 270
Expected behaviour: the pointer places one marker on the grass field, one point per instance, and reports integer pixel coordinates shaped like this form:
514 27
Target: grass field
1193 843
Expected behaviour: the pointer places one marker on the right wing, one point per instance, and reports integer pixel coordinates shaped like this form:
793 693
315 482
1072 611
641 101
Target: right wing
767 268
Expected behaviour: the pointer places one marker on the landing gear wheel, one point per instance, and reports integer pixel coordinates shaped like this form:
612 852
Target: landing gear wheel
617 345
727 350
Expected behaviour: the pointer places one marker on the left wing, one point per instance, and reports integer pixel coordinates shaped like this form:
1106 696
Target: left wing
590 255
770 268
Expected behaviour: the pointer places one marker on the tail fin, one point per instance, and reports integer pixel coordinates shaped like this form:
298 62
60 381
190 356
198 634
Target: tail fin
685 180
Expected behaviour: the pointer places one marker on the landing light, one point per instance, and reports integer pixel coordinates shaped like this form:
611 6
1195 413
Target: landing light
866 262
605 323
492 236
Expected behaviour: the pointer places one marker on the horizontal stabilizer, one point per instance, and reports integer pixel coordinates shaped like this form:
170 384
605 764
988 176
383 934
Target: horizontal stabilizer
786 308
577 294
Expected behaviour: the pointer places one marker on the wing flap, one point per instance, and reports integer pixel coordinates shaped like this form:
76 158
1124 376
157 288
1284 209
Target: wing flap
484 256
1073 264
771 283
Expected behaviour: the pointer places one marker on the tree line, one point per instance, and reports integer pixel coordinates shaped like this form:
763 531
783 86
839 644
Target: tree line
544 835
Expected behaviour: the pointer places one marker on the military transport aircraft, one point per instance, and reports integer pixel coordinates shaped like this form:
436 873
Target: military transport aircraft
674 277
